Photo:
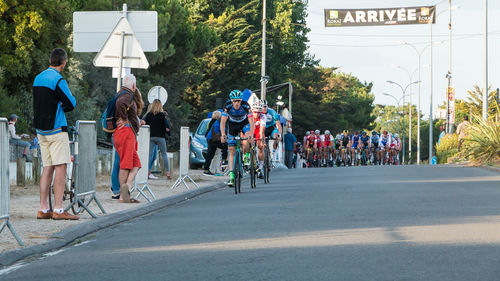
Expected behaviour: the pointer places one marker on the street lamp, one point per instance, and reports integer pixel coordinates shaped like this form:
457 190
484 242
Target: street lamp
410 78
431 126
419 54
403 89
263 80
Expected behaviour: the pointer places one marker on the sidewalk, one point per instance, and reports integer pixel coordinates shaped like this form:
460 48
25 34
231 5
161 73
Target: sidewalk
24 204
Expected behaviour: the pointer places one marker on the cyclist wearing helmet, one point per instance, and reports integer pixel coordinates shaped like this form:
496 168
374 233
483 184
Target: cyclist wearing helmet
311 146
374 140
384 145
397 148
354 145
364 141
273 125
239 120
326 147
259 119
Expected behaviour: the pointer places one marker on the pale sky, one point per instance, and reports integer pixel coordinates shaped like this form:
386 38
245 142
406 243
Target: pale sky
343 47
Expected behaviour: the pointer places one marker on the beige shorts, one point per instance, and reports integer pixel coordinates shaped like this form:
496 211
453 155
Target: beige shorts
54 149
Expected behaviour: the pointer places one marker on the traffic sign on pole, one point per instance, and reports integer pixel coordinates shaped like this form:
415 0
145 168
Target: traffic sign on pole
122 49
91 29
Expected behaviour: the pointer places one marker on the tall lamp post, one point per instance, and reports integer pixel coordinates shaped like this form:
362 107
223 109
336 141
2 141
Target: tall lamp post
419 54
264 78
431 127
410 78
485 91
403 90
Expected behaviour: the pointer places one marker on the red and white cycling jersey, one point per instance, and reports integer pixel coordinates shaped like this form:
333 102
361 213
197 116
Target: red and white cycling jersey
259 120
396 143
311 140
326 140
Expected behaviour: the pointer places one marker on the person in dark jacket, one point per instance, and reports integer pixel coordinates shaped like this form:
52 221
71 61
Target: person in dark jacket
51 99
157 120
213 139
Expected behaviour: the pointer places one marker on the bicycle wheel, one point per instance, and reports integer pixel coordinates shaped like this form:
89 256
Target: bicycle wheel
236 171
252 169
266 165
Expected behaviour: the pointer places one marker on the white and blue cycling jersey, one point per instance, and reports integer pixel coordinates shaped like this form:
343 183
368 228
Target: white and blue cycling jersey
355 141
384 141
236 115
271 117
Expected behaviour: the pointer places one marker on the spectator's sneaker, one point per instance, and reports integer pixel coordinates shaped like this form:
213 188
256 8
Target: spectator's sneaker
115 196
207 173
64 216
153 177
44 216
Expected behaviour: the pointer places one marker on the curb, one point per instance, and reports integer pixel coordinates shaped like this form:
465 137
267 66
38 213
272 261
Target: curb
490 168
67 236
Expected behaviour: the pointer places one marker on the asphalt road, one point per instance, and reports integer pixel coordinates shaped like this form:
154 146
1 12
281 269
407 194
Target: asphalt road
365 223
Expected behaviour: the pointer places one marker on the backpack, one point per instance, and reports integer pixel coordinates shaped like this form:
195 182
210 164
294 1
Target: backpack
108 120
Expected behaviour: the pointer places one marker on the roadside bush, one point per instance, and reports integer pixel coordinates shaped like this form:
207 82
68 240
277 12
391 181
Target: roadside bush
483 143
447 148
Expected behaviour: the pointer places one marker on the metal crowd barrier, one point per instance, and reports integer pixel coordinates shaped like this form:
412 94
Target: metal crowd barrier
85 161
143 139
4 181
184 160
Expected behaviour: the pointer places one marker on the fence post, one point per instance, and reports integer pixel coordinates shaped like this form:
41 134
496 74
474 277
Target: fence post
4 181
21 172
184 160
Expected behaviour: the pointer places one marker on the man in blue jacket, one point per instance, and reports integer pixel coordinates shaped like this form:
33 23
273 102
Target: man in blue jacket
51 99
213 139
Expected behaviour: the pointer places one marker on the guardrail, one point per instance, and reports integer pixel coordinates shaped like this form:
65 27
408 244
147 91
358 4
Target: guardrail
4 181
142 176
85 161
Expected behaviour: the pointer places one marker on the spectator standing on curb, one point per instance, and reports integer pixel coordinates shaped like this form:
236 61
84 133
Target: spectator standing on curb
290 141
156 118
128 105
462 131
51 99
213 139
441 135
14 138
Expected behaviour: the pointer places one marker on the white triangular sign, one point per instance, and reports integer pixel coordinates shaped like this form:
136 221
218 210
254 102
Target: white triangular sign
133 56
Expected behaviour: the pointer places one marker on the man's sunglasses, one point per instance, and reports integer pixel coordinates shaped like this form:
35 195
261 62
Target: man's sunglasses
236 100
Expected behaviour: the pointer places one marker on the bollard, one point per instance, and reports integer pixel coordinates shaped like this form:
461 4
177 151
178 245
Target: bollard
21 172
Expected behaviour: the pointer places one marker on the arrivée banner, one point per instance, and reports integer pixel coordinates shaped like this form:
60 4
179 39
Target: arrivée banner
374 17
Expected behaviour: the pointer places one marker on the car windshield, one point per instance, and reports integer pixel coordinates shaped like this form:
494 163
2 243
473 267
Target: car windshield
203 127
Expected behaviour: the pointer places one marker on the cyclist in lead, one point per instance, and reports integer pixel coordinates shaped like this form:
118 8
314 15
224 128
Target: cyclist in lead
374 140
365 140
260 126
354 145
239 120
327 146
384 145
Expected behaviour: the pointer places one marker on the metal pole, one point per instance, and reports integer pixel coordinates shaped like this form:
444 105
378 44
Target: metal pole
418 108
431 128
290 94
404 136
119 82
485 91
410 125
448 118
263 80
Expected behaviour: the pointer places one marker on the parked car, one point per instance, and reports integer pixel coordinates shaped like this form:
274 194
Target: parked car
198 145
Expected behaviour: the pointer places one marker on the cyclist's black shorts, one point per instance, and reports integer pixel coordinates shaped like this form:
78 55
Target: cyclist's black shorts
236 128
269 131
366 145
337 146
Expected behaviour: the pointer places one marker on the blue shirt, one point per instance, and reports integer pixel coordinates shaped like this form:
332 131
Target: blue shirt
289 140
271 117
51 99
